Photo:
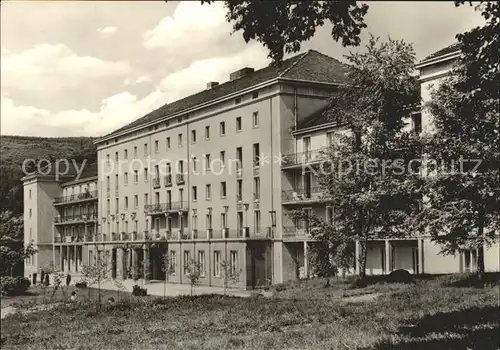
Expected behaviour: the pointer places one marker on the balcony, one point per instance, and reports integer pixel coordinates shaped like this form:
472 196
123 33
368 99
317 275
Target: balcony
124 236
85 196
296 232
297 159
115 236
146 236
239 172
134 236
162 208
68 219
297 196
179 179
256 169
156 182
167 180
117 192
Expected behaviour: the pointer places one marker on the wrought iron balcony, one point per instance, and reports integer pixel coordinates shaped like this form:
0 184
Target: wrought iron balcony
313 194
115 236
161 208
156 182
87 195
179 179
296 231
301 158
168 180
62 219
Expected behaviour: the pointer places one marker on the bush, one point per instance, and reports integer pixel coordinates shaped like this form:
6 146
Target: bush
400 276
81 284
138 291
14 285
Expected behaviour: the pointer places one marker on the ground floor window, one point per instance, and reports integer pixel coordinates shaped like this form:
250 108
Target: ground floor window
217 263
233 255
201 262
173 262
186 261
469 260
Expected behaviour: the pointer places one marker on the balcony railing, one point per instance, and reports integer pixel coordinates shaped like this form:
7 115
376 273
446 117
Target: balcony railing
239 172
161 208
179 179
156 182
115 236
303 195
73 218
301 158
87 195
168 180
294 231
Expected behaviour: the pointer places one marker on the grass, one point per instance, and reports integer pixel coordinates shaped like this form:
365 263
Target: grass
431 314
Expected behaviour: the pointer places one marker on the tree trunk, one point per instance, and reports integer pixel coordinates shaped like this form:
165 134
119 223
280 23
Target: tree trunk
362 259
480 253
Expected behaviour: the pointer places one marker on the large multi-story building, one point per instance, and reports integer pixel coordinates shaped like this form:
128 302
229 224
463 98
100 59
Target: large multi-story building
211 177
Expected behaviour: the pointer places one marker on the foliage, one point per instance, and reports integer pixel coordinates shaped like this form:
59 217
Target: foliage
282 26
81 285
193 273
365 175
15 149
14 285
95 274
139 291
230 274
415 316
462 210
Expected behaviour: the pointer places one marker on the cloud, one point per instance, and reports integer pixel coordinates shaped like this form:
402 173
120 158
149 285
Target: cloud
194 30
107 30
120 109
55 67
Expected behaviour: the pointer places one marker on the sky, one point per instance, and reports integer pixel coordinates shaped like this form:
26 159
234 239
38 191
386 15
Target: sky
87 68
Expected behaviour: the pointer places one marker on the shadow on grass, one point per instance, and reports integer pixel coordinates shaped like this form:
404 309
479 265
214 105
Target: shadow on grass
474 328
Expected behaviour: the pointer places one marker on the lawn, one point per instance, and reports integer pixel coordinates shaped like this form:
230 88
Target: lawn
432 314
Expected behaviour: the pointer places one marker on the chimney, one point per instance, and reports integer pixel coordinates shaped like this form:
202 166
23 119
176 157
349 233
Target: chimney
240 73
211 84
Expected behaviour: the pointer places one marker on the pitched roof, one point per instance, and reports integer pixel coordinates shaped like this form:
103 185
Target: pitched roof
316 118
449 49
311 66
68 174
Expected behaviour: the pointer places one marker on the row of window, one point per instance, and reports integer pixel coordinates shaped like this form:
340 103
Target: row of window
195 161
218 265
222 132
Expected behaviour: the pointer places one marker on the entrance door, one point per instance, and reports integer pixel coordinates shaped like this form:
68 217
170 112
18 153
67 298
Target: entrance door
113 263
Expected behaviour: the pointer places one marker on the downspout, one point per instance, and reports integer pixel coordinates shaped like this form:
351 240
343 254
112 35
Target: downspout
295 121
273 228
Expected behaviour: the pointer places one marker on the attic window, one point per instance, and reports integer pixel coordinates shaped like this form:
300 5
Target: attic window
116 140
237 100
255 94
179 119
167 123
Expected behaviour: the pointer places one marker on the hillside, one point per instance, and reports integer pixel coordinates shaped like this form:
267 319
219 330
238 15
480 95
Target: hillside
14 150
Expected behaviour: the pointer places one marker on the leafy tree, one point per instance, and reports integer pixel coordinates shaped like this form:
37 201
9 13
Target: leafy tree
463 203
364 174
95 274
229 274
282 26
193 274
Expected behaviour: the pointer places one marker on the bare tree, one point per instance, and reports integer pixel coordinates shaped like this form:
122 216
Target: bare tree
229 274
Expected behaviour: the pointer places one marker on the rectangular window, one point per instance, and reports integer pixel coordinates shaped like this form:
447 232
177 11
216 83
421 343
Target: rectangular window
187 261
329 215
222 128
136 176
125 178
157 197
416 121
223 189
330 138
201 262
168 142
255 94
239 190
116 157
195 193
238 124
136 201
146 175
157 146
207 161
223 158
193 136
135 151
223 220
179 140
195 164
217 263
173 262
125 154
145 149
256 154
255 119
233 256
30 212
146 199
126 203
237 100
256 188
256 217
239 157
117 205
107 183
116 182
208 192
29 196
207 132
